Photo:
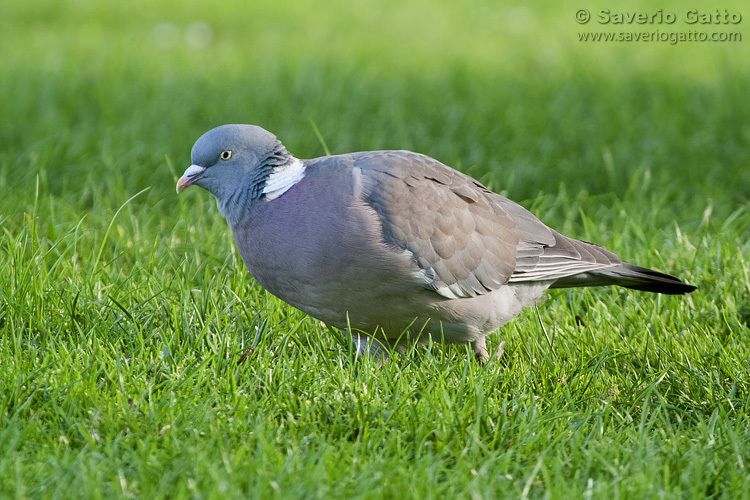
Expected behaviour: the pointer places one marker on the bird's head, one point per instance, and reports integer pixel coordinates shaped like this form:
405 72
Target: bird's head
238 164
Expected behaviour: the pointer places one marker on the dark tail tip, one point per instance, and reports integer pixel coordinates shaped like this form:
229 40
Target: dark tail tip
648 280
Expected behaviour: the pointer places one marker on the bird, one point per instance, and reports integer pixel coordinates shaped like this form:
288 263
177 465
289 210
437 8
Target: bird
393 247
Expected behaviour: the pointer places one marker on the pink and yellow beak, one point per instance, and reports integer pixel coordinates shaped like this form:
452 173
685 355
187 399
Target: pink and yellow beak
192 173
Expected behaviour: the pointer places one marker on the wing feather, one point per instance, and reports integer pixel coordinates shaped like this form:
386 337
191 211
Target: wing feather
464 239
463 244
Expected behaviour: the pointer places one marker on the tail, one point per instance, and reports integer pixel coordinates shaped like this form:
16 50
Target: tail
628 276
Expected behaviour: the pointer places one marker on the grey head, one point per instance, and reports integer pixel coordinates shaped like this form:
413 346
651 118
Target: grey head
234 163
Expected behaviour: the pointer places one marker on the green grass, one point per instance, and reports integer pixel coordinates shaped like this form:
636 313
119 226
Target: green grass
124 309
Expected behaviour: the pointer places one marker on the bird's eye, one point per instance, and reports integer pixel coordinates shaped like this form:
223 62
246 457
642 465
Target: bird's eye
225 155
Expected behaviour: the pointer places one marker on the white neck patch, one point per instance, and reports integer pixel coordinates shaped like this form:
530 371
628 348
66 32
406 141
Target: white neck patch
282 178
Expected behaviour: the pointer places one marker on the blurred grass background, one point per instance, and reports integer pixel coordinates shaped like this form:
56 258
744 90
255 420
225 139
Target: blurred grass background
120 331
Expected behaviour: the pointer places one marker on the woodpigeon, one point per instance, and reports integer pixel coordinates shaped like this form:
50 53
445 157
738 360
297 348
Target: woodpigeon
392 246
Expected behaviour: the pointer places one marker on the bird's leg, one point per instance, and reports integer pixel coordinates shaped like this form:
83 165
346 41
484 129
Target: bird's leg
369 347
479 347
